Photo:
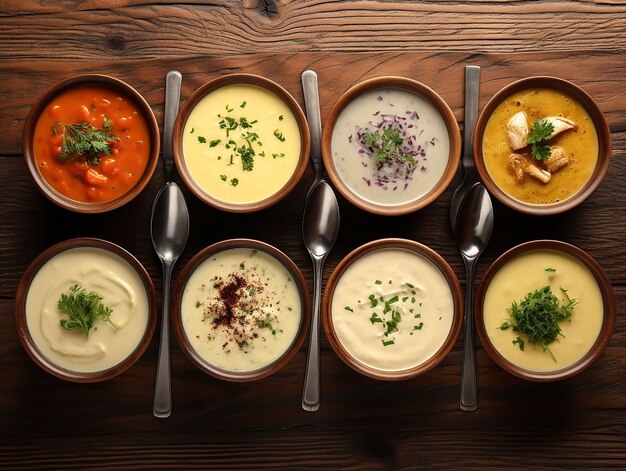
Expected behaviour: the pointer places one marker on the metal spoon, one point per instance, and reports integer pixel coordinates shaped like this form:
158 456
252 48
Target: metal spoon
473 231
470 177
169 228
320 225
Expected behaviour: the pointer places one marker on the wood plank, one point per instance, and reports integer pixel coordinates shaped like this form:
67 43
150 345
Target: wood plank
96 30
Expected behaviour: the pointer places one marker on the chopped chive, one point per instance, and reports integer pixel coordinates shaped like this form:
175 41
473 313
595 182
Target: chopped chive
387 342
348 308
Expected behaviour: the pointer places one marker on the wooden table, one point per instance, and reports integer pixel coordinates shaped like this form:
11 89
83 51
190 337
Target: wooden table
49 424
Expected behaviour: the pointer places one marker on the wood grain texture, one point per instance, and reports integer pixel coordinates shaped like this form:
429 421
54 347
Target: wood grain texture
48 424
142 29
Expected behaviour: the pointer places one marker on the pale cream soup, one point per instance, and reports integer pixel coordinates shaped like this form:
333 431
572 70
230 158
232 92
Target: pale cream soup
241 309
392 309
524 274
409 127
241 143
122 290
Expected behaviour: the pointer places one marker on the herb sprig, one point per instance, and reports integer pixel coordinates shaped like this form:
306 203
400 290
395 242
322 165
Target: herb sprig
538 315
387 146
84 309
85 142
540 133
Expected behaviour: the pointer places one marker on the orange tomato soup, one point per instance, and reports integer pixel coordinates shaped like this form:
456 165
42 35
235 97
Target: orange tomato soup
114 174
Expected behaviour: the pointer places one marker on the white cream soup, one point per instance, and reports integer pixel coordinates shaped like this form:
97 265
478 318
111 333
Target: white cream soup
241 143
104 273
524 274
241 309
390 146
392 309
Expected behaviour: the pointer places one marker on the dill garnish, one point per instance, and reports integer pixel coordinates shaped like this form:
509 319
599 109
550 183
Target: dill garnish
84 308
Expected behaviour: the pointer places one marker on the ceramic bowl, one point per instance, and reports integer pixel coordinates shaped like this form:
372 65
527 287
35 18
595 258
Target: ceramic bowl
181 309
431 191
30 157
182 162
28 336
499 350
604 146
411 308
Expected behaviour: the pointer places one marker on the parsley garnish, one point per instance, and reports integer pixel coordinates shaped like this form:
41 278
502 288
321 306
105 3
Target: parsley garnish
234 181
540 132
202 139
214 142
84 308
84 142
538 315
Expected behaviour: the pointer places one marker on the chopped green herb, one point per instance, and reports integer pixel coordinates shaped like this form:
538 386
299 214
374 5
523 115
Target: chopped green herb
84 142
538 315
281 154
202 139
229 109
234 181
520 343
386 343
551 269
279 135
378 282
540 133
348 308
192 130
281 117
243 104
375 319
418 326
214 142
223 177
198 304
84 309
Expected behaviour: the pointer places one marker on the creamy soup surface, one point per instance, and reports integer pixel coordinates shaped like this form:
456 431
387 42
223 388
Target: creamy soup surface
580 145
122 290
524 274
241 309
417 155
241 143
392 309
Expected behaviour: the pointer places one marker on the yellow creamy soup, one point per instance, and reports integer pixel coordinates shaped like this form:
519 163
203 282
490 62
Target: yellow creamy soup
241 309
241 143
392 309
122 290
526 273
580 145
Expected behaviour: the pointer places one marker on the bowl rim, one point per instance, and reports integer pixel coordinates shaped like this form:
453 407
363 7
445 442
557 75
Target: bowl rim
608 322
177 296
245 79
413 86
386 244
597 118
20 310
28 138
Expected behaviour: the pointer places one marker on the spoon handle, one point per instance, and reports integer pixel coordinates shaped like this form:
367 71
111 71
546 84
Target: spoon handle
173 82
469 388
311 392
312 105
472 95
162 406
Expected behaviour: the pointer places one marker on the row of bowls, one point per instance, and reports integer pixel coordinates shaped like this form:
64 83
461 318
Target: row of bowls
24 326
438 187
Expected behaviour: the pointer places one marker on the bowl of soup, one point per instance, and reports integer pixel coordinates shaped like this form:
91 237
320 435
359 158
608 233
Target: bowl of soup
542 145
241 143
91 143
392 309
240 310
85 310
391 145
545 310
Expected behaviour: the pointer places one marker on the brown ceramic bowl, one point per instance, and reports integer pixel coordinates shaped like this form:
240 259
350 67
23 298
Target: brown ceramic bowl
608 323
29 343
604 146
28 138
457 315
192 102
413 87
182 336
